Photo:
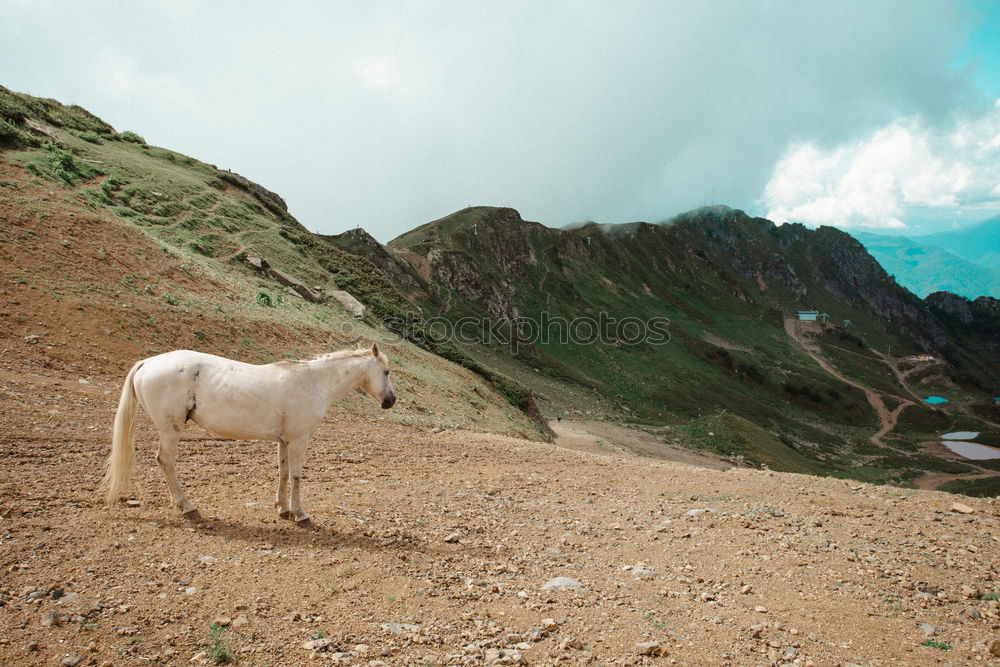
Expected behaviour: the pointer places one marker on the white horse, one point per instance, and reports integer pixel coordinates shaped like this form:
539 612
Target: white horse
284 401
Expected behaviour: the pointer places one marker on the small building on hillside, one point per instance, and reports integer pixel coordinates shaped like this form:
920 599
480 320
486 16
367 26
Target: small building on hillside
807 315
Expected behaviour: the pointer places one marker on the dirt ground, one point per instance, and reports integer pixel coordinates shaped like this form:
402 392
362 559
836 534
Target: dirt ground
434 544
434 548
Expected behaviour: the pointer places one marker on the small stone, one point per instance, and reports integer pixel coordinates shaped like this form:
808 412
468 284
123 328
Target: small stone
240 621
994 647
206 560
562 584
746 590
32 646
198 657
760 609
571 643
400 628
69 661
191 590
452 538
320 644
962 509
133 503
50 619
223 621
927 629
549 624
650 648
973 613
756 631
56 593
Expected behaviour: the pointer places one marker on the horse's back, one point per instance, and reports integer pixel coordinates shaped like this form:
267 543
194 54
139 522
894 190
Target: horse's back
227 397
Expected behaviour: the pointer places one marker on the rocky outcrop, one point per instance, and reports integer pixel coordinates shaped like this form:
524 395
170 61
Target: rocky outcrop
271 200
952 304
294 284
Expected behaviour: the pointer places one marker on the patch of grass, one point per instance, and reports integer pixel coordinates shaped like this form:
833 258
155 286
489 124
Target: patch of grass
935 644
91 137
264 299
131 137
12 136
218 645
652 620
984 487
169 209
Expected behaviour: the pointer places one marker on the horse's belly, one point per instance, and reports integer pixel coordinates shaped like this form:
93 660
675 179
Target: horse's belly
247 427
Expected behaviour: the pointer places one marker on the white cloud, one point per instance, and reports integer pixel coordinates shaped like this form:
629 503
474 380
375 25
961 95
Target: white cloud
879 181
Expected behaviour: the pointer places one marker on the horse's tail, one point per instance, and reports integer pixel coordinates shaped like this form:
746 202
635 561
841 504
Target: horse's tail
118 470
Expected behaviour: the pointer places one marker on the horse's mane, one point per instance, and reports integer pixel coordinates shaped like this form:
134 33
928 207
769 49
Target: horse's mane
330 356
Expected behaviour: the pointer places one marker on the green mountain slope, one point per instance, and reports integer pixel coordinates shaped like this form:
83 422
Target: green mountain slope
214 220
726 283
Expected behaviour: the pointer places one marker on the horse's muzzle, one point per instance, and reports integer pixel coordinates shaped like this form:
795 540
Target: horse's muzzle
388 401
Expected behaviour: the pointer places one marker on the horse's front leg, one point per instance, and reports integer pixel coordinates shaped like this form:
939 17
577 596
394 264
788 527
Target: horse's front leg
296 457
281 499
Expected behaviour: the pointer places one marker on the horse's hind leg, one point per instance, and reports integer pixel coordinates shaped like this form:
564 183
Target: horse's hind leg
281 499
167 458
296 455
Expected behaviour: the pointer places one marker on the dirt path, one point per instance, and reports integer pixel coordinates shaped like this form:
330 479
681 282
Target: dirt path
604 438
887 419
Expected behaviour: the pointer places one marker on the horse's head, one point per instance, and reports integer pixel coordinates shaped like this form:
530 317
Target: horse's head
375 380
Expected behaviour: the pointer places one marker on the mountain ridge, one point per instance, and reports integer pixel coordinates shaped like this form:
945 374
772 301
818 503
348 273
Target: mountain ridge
727 282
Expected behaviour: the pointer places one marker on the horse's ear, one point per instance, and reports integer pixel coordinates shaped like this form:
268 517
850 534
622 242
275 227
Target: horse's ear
374 349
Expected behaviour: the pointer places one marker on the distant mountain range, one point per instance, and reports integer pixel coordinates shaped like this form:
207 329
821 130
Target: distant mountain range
964 261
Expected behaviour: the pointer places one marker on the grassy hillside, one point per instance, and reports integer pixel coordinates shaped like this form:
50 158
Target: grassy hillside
726 283
61 163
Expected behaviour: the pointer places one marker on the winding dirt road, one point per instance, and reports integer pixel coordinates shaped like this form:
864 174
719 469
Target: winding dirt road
887 418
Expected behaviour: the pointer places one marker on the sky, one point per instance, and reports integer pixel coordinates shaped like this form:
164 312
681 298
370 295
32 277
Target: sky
385 115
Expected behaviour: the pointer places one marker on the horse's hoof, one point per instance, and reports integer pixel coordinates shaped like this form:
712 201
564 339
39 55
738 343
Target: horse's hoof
305 523
192 515
285 515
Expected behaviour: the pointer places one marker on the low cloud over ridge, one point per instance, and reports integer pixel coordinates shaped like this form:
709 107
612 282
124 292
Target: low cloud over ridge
907 170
